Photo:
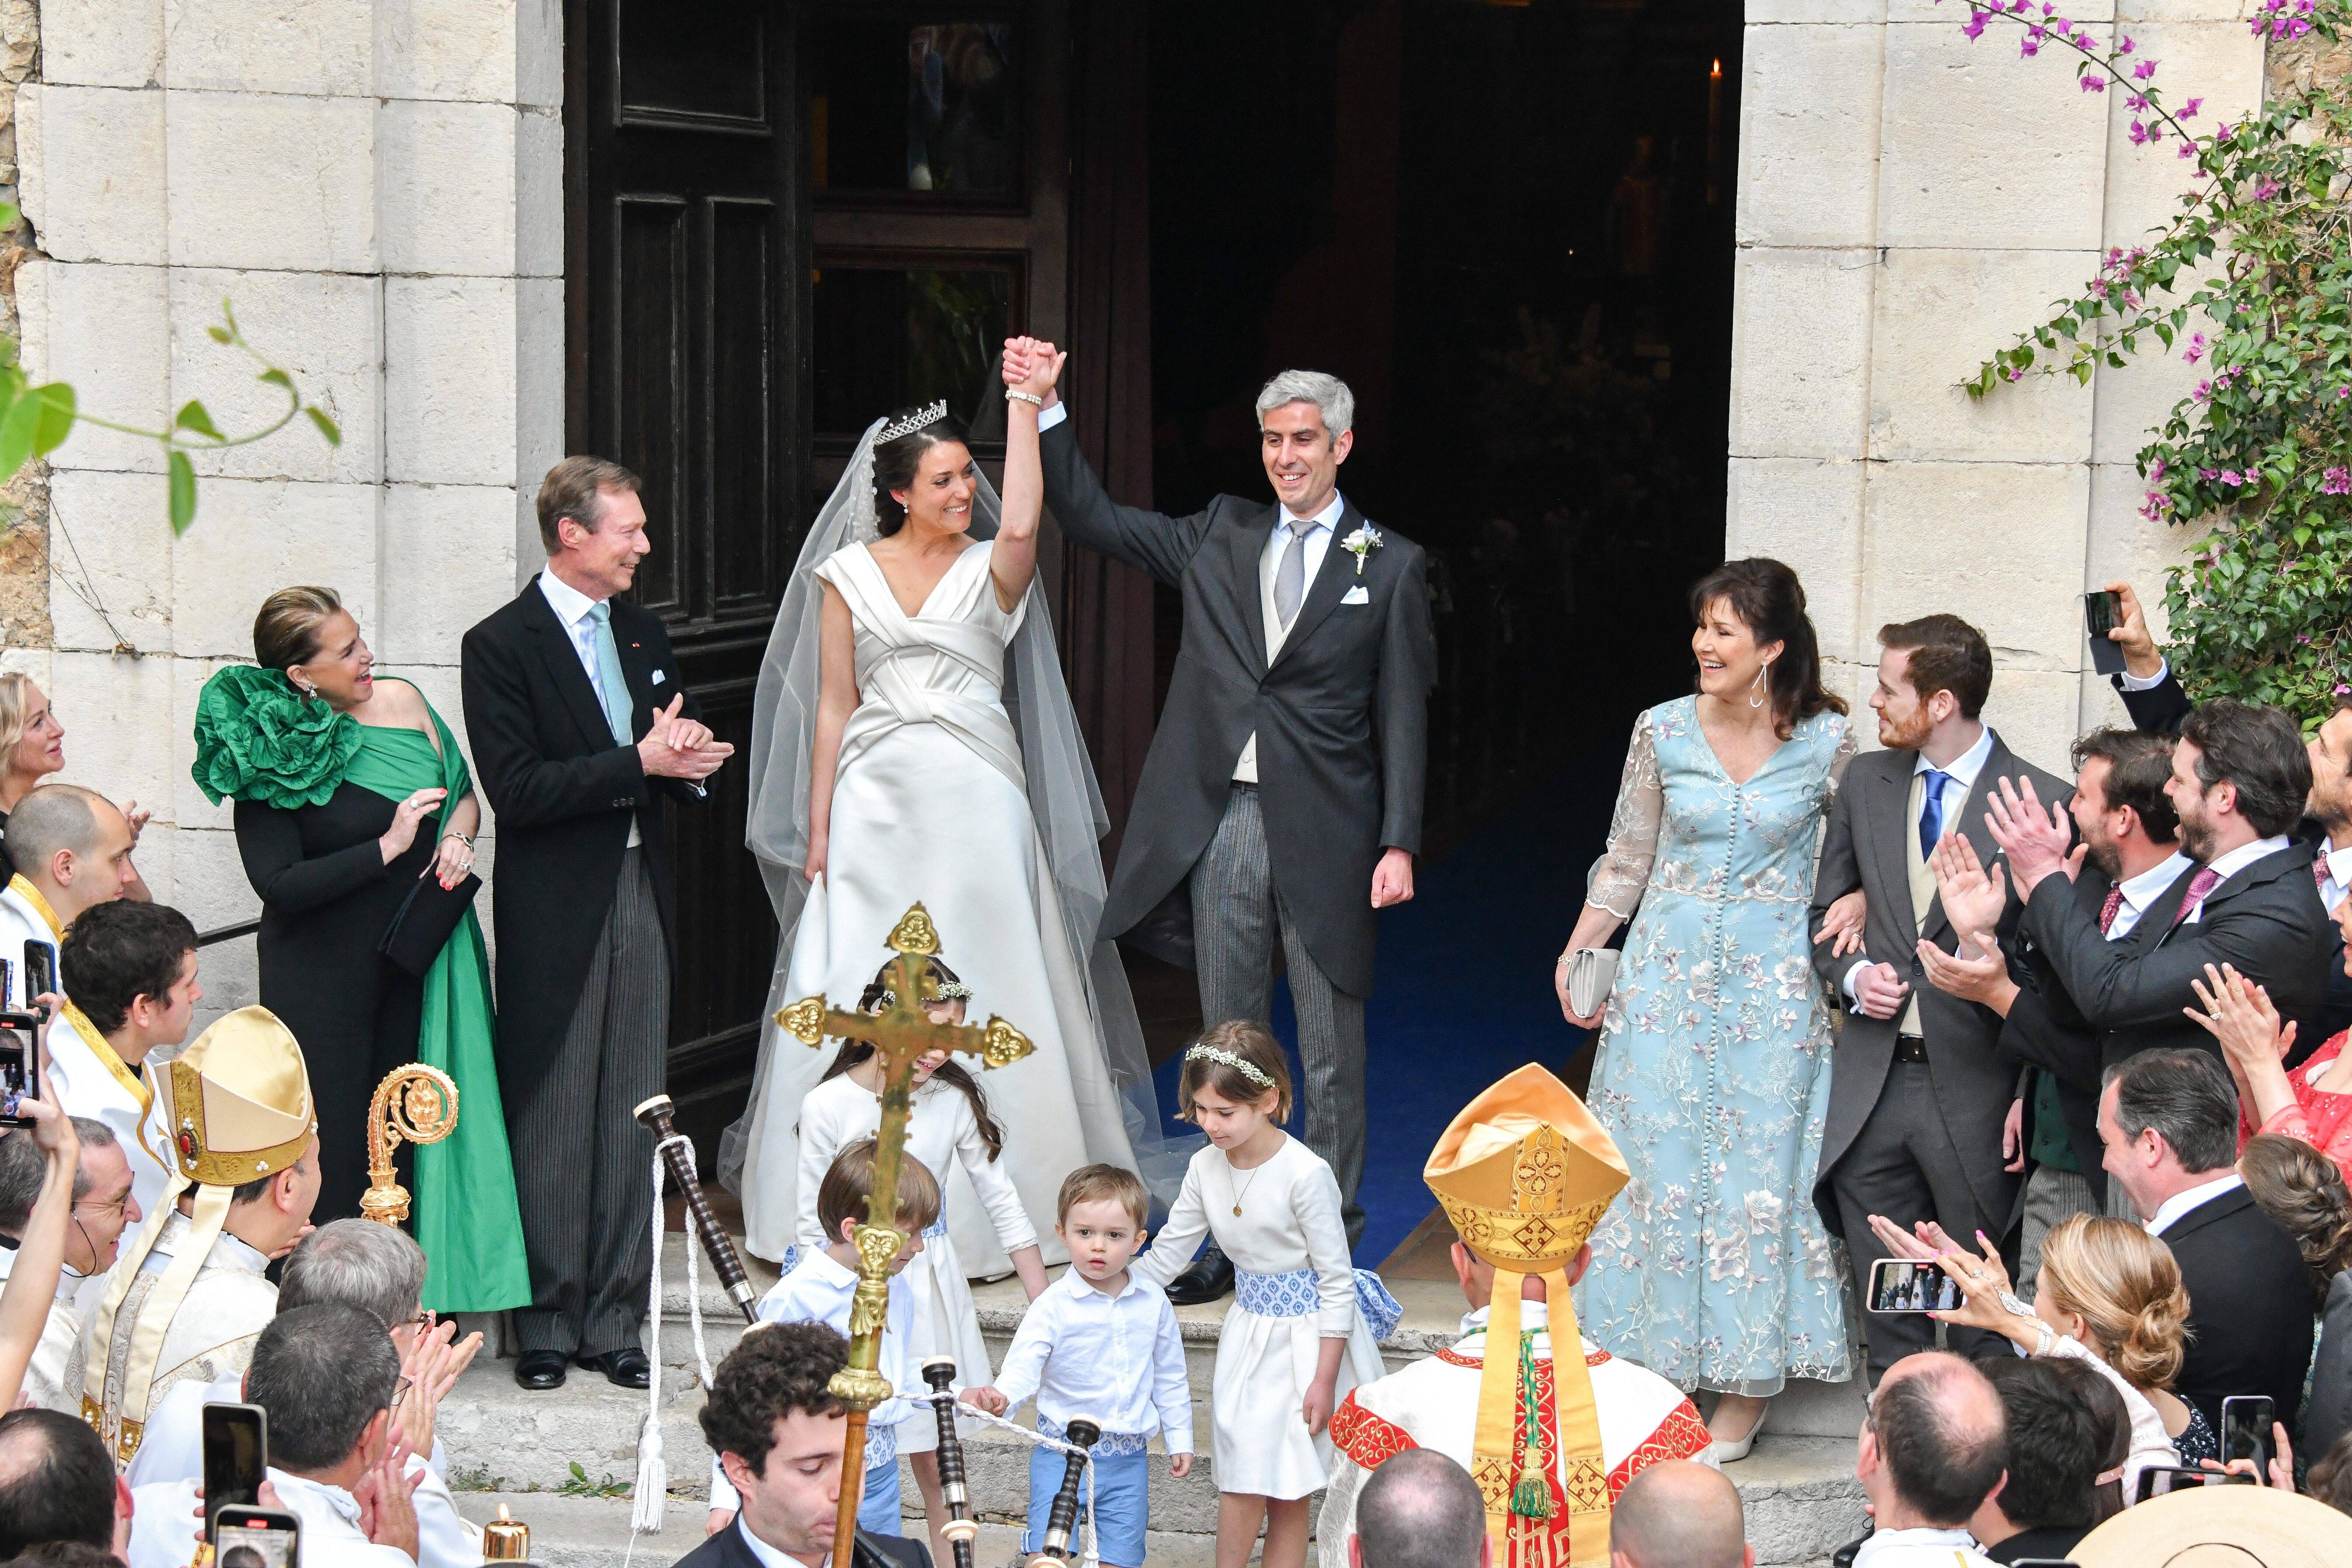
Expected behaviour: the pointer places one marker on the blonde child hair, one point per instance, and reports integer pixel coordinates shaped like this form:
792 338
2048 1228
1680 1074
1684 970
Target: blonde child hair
1103 1184
848 1187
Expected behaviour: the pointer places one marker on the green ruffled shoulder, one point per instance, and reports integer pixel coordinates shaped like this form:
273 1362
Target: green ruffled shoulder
258 738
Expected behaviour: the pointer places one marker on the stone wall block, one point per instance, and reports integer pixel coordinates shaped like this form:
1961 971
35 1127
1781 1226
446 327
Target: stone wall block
117 713
110 536
450 380
90 160
539 194
1939 315
322 47
429 532
2036 711
445 187
210 889
32 661
2134 402
1809 125
253 537
1930 14
1783 13
2127 547
1800 352
1982 149
538 387
2238 11
1808 514
2219 62
104 329
102 43
2002 543
480 52
323 330
264 180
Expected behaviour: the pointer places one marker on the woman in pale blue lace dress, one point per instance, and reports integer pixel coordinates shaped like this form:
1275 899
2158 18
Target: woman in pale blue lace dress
1713 1073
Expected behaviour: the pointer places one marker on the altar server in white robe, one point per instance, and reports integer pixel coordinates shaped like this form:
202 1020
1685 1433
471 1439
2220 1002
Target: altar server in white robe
72 851
187 1297
1524 1174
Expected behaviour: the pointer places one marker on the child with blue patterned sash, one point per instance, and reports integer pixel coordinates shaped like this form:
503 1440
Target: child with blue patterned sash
819 1289
1304 1325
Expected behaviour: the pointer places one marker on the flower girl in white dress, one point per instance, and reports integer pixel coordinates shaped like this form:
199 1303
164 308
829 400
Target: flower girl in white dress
948 1129
1304 1325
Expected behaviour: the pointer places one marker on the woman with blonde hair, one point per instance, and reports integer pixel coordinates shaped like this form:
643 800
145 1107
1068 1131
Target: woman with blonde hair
2108 1293
33 747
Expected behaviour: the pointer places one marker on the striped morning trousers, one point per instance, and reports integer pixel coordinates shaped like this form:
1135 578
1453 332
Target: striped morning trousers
581 1163
1236 913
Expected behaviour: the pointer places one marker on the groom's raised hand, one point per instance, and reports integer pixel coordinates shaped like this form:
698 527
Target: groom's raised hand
1393 879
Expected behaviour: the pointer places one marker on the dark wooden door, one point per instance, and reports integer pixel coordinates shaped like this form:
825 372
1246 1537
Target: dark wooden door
783 220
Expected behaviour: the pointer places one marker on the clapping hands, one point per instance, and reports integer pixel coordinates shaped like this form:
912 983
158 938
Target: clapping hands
2034 839
680 748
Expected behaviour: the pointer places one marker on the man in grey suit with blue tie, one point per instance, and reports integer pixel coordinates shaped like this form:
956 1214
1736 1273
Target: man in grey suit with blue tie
1281 799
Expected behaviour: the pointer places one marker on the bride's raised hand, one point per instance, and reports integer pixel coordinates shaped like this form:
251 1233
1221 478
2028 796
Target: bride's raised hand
1044 368
1015 366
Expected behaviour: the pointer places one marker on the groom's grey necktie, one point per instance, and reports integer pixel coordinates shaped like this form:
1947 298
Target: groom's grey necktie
1290 572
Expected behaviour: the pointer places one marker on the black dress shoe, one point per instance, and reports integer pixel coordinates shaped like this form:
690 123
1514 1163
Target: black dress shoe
623 1368
1208 1276
541 1370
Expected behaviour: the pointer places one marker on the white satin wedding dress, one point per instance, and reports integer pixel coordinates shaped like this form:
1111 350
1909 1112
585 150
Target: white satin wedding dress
930 804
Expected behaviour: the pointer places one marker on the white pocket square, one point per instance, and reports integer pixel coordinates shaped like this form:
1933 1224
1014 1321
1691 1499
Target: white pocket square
657 678
1356 596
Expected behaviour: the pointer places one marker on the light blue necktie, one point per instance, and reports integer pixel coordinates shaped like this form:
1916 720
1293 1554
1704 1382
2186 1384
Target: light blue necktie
1931 811
612 686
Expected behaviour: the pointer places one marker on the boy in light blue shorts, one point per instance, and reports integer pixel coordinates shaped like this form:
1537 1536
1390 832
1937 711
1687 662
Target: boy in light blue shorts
1100 1346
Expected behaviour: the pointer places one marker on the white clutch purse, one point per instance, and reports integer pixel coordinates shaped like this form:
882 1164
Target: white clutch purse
1592 975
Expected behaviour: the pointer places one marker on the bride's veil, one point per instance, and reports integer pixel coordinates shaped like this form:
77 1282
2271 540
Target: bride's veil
1063 798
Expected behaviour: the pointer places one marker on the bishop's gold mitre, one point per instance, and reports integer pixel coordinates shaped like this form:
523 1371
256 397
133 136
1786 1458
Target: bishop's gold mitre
240 1101
1526 1172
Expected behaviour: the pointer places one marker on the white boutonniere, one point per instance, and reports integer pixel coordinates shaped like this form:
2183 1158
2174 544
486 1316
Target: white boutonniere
1360 544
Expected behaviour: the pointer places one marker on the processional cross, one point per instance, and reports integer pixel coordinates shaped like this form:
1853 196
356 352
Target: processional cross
902 1035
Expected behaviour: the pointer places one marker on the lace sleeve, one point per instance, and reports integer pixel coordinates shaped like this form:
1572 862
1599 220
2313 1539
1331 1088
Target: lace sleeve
1846 753
1617 878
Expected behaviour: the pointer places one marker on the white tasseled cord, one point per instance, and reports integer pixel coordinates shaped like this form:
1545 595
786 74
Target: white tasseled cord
1091 1557
652 1468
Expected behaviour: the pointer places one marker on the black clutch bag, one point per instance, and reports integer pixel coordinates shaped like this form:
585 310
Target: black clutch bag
422 926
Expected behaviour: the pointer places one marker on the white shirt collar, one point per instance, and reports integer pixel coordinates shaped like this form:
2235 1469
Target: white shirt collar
2137 890
1924 1540
769 1556
1328 518
2179 1203
570 605
1965 767
1076 1286
2227 865
2339 865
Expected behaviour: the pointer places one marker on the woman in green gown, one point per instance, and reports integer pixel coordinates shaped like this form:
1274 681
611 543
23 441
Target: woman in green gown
350 790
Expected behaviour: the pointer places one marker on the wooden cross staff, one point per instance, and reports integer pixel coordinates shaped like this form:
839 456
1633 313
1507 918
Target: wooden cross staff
902 1035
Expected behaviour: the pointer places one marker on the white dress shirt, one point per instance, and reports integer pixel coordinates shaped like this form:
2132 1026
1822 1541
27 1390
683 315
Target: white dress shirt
2136 683
2224 867
2168 1212
577 611
1118 1360
2141 890
1913 1549
1959 784
2335 884
1317 545
773 1556
163 1525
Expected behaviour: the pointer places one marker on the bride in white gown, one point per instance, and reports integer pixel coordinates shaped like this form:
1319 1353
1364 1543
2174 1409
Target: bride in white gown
913 740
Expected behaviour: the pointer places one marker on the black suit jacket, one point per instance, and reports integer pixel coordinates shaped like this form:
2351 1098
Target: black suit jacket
2266 919
2045 1031
1863 849
2160 707
2249 1310
726 1550
1341 715
565 794
2330 1413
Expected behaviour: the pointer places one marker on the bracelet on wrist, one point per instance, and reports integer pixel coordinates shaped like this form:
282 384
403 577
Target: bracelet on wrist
1029 397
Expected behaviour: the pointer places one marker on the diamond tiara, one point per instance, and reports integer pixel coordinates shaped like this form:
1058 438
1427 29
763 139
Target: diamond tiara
913 422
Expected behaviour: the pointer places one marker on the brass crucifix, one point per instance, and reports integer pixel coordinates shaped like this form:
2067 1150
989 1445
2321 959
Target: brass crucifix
902 1035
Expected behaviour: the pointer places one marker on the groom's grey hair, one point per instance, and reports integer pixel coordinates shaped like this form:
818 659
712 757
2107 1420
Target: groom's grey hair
1327 393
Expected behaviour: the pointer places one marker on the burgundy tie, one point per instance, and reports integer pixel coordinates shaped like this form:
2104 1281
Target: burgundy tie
2204 883
2319 872
2107 911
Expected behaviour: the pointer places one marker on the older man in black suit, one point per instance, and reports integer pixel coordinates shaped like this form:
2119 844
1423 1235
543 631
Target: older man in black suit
580 727
1281 800
776 1428
2168 1121
1918 1090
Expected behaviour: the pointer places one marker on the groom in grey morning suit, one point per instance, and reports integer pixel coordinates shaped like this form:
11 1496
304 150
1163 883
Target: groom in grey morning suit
1281 799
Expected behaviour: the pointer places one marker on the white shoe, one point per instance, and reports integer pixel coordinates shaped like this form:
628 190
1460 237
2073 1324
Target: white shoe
1724 1453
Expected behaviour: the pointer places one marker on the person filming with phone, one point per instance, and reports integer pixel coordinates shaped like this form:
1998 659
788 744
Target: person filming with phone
103 1206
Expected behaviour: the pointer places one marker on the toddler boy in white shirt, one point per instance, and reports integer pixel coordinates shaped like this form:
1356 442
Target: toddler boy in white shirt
820 1289
1100 1344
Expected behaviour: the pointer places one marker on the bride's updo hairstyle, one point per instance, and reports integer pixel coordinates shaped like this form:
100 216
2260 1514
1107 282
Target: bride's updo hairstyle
1771 603
950 1072
895 463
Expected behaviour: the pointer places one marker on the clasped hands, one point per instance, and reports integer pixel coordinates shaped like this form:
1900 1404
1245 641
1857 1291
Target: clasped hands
676 748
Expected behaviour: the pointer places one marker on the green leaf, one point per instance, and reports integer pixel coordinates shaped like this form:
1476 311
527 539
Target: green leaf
217 334
193 416
228 314
17 428
184 492
326 426
274 376
9 215
57 418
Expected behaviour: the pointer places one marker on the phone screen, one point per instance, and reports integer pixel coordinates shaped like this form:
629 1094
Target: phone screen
2157 1480
20 1067
2246 1429
256 1538
236 1456
1901 1285
40 969
2099 613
